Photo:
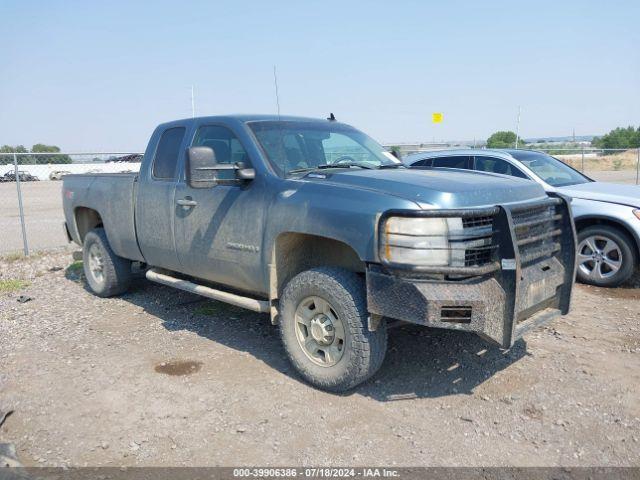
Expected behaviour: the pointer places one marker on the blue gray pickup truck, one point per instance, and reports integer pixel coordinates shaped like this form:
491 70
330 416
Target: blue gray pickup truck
314 223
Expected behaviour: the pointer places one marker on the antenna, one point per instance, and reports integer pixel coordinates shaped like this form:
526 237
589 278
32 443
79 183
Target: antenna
193 104
275 82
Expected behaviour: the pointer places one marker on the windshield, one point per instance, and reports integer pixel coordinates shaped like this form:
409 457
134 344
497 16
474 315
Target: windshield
550 169
295 147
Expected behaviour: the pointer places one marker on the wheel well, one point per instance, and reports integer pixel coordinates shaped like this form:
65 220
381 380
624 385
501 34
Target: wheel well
583 223
296 252
86 220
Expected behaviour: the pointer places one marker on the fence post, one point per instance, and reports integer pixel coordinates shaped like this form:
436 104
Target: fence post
582 159
24 230
638 167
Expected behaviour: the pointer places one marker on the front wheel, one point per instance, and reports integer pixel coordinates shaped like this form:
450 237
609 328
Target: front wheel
323 325
606 256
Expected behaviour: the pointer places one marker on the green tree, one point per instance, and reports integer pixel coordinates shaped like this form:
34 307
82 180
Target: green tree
7 159
395 150
45 159
619 138
503 139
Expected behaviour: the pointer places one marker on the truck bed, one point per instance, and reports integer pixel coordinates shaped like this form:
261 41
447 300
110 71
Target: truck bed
113 196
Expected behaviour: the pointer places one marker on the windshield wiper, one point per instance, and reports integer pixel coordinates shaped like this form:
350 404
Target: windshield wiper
391 165
339 165
345 165
301 170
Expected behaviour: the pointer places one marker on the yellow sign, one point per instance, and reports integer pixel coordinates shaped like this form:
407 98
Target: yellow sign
436 117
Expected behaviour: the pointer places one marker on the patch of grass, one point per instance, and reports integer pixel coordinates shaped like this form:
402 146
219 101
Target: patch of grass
75 271
19 256
214 309
13 257
76 267
12 285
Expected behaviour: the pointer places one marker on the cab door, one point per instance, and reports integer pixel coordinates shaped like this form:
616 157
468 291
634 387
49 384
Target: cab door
218 229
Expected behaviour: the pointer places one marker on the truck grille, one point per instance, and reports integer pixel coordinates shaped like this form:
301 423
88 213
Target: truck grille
478 247
537 230
478 256
476 241
480 221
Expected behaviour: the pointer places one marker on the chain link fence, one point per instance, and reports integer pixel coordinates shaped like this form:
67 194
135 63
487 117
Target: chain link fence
31 194
31 189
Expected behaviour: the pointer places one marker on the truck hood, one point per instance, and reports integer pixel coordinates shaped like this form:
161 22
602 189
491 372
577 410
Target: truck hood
605 192
439 188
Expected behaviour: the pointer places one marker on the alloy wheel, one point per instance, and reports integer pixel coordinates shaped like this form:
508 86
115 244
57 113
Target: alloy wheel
599 257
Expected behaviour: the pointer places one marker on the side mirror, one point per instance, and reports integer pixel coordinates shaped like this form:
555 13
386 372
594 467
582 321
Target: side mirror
244 174
201 167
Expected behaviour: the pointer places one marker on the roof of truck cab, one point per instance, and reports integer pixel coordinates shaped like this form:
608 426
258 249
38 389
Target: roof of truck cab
244 117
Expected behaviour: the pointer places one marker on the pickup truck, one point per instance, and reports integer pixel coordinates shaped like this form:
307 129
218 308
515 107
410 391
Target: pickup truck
314 223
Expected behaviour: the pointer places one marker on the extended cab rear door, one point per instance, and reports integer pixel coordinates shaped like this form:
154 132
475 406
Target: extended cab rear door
155 204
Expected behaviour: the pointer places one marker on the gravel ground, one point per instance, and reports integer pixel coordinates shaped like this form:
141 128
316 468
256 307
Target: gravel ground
162 377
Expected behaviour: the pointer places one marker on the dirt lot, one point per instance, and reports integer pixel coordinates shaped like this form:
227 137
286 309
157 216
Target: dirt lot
161 377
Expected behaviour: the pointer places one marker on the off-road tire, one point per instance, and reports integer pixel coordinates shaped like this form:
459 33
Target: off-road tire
627 248
364 351
116 270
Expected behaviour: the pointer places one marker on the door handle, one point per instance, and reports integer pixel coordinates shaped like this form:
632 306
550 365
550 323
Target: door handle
187 202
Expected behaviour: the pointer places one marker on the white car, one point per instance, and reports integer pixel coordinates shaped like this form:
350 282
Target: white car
607 215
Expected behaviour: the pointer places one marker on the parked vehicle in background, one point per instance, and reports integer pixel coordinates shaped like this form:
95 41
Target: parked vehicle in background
57 174
23 176
316 224
607 215
133 158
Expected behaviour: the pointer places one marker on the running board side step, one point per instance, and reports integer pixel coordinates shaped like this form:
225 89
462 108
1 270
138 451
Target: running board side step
261 306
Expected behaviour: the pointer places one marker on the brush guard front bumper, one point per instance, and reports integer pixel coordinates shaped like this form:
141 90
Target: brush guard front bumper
526 281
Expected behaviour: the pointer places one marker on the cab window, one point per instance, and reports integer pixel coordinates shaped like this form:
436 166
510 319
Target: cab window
166 157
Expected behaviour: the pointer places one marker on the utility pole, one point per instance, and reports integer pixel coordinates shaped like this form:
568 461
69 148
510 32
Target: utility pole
193 104
518 128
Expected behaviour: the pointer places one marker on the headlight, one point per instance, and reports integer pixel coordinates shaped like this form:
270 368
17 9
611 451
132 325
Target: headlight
637 213
421 241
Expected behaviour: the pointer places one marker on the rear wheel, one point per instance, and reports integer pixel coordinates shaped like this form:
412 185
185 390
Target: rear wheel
606 256
324 329
107 274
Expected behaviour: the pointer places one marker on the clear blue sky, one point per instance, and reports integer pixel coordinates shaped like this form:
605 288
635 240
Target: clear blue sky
91 75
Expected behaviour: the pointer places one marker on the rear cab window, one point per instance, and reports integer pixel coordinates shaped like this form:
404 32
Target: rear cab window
165 160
